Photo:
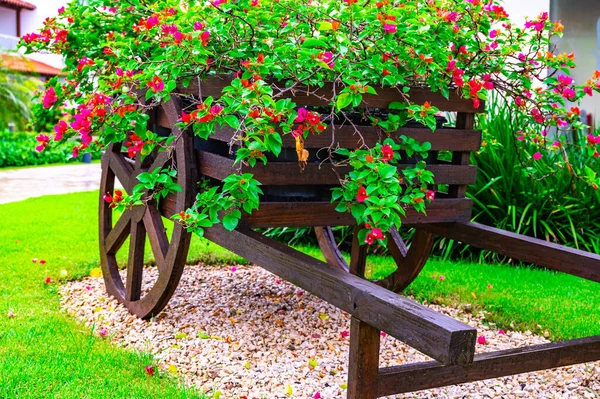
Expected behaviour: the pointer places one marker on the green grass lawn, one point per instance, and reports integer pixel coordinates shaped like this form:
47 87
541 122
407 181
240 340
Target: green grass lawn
44 353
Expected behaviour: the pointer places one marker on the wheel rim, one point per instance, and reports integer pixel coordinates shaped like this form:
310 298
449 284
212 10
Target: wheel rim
409 260
145 221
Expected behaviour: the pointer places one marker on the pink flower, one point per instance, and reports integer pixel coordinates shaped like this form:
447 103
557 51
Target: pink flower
383 334
315 336
317 395
390 28
344 334
302 114
481 340
216 109
149 370
205 36
87 287
11 314
537 156
60 129
377 233
198 25
61 10
43 140
234 269
430 195
50 97
501 332
442 278
493 34
102 332
588 90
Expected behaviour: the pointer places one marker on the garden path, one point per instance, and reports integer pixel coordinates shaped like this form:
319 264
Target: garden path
20 184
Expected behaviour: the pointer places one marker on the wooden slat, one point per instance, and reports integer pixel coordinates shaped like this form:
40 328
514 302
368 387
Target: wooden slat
321 96
345 137
441 337
289 173
300 214
363 362
526 249
427 375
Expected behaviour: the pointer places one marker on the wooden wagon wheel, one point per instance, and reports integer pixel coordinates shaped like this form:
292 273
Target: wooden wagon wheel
146 221
410 261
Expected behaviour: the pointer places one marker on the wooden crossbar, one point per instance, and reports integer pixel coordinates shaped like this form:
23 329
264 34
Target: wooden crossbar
443 338
527 249
427 375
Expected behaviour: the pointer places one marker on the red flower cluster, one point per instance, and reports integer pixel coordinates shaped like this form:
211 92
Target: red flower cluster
309 121
361 196
375 234
134 145
156 84
113 200
388 152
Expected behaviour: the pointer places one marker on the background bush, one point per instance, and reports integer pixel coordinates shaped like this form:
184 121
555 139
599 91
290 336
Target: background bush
18 149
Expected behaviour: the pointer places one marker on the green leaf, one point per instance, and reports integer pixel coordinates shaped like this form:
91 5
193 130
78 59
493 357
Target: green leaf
232 121
343 100
231 220
203 335
312 42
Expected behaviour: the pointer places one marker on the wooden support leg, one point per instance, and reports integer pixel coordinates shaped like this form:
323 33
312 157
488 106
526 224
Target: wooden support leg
363 368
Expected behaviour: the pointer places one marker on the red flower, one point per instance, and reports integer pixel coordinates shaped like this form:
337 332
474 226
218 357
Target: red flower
388 152
369 239
430 195
156 84
361 196
150 370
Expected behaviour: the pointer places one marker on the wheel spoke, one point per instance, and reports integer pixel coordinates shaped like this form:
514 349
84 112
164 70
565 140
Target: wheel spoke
135 264
157 236
123 171
358 256
117 236
331 252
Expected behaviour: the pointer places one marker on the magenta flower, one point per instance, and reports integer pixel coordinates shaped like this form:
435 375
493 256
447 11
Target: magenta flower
383 334
43 140
87 287
442 278
501 332
481 340
344 334
317 395
149 371
302 114
60 129
50 97
102 332
390 28
156 84
234 269
198 25
537 156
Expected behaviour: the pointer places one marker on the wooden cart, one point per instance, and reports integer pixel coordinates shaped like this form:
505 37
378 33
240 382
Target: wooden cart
300 198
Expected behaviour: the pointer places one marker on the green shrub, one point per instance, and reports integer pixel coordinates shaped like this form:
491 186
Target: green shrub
18 149
559 208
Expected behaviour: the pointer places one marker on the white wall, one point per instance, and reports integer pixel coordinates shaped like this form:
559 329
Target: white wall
519 10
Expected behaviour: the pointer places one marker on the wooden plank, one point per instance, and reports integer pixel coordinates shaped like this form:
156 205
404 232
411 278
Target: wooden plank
289 173
427 375
363 365
345 137
441 337
300 214
527 249
463 121
213 87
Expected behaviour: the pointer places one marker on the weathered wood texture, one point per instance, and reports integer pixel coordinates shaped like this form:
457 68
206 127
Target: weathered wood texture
363 365
526 249
427 375
442 139
321 96
289 173
443 338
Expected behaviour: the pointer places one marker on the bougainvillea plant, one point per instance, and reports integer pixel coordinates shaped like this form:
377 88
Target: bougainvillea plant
124 58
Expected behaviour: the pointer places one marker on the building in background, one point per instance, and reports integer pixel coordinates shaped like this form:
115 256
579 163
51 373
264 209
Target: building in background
19 17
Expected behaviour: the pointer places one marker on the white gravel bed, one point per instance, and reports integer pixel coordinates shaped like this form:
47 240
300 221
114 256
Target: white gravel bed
247 333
